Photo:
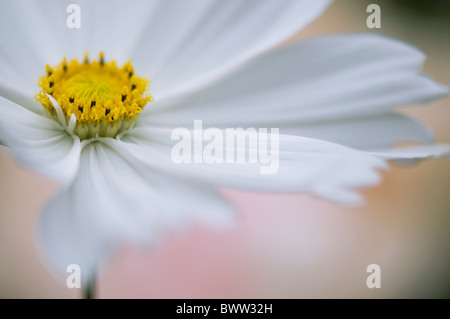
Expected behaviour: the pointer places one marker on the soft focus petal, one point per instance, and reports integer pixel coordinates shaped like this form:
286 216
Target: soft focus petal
171 41
305 165
26 42
40 27
330 88
106 25
412 154
367 133
21 96
187 44
26 45
113 201
38 142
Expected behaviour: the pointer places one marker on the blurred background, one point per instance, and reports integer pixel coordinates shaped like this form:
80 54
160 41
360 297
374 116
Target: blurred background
282 246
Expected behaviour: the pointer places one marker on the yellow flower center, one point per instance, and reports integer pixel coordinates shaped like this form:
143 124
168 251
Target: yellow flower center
104 98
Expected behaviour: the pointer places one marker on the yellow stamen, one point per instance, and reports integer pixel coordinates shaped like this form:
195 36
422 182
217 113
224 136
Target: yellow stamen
104 98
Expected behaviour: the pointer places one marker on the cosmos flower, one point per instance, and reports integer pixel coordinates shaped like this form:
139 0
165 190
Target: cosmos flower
96 124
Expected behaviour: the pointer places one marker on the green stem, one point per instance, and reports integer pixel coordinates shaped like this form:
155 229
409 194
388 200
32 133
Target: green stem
89 289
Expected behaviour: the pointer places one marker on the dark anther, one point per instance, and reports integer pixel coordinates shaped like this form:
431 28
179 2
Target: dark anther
107 111
130 74
49 73
102 62
71 99
133 87
80 108
124 97
51 84
65 67
92 103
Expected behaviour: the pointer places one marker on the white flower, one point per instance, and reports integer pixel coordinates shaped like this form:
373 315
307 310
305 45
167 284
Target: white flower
333 98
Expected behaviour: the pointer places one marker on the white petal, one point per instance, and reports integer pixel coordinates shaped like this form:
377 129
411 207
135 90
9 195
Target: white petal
367 133
42 30
21 96
38 142
106 25
187 44
306 165
337 76
26 42
311 86
409 155
24 32
113 201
